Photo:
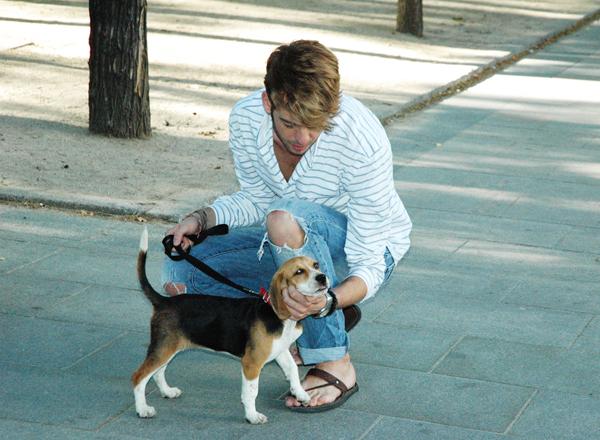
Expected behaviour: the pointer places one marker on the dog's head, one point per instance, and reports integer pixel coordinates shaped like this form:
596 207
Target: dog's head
301 272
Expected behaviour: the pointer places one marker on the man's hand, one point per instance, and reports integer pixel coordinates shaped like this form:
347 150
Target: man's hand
301 306
188 226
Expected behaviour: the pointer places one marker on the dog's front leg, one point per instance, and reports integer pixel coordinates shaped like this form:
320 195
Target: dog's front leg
286 362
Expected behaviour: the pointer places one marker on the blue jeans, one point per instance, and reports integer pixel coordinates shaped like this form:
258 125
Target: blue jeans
247 257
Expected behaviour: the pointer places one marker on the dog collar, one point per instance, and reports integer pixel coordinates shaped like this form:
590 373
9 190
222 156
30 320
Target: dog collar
265 295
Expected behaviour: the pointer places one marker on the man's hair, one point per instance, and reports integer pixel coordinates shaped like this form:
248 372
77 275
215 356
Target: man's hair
302 78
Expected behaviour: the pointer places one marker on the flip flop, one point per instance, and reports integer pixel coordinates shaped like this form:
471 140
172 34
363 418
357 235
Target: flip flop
352 316
330 380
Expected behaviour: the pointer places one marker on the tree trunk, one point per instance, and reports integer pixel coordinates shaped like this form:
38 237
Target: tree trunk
118 92
410 17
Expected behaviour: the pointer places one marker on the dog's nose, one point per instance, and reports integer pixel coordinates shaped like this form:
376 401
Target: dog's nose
321 278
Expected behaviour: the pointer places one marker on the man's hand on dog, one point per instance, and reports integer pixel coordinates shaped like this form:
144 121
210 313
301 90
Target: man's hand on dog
301 306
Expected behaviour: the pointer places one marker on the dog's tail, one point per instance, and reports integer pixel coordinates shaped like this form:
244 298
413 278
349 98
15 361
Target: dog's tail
155 298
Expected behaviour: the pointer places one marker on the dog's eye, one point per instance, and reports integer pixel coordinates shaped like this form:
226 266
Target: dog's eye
316 265
299 272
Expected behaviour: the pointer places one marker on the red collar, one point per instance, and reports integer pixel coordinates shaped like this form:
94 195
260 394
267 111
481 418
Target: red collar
265 295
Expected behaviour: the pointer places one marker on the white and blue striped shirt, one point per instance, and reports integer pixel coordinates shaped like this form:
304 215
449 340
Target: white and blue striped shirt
348 169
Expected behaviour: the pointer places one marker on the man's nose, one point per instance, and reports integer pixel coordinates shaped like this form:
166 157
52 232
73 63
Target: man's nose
302 135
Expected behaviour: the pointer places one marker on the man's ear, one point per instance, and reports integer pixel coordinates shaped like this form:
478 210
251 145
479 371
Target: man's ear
266 102
278 283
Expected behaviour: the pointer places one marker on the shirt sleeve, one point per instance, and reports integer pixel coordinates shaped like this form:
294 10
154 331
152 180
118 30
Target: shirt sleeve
247 206
370 187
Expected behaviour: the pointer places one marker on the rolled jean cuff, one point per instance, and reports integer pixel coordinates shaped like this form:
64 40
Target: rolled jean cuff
318 355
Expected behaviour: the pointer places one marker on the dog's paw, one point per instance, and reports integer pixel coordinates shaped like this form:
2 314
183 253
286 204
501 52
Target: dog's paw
256 418
301 395
171 393
146 412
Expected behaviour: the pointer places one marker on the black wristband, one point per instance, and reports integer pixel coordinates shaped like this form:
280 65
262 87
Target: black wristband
334 303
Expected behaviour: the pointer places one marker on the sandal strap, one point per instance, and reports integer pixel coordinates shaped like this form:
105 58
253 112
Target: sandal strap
329 378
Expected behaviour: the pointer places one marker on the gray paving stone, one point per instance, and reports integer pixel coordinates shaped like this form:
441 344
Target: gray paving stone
589 340
539 67
488 228
432 248
569 371
220 415
490 257
117 359
62 399
43 225
559 415
53 227
51 344
438 399
30 296
456 191
100 268
559 202
457 282
486 319
390 293
580 239
501 361
391 346
571 295
12 429
341 424
438 125
105 306
18 254
392 428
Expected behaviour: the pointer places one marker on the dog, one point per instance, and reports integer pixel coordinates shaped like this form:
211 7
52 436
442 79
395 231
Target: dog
247 328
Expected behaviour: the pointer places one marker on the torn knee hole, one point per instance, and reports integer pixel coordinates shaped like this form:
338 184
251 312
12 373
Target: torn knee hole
283 229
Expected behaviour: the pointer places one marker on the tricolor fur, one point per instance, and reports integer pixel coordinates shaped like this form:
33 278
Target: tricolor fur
247 328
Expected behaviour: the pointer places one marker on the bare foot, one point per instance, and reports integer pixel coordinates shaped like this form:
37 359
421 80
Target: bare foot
342 369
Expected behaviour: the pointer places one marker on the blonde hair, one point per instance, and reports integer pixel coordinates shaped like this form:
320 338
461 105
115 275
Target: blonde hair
303 78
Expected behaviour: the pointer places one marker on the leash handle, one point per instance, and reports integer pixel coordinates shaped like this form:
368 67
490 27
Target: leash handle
183 254
196 239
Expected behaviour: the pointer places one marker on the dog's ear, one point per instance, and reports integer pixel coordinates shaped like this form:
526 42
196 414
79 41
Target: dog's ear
278 283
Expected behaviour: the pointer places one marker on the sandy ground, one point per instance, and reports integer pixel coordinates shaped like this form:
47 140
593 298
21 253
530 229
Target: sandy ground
204 55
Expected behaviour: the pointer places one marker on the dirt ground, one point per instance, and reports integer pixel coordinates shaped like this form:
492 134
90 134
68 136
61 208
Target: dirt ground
204 55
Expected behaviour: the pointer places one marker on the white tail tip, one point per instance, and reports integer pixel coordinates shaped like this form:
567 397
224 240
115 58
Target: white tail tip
144 240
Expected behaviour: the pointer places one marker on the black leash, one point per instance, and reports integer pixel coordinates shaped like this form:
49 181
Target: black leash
182 254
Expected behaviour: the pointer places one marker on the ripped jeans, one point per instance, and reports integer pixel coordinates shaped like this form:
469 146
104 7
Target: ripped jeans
247 257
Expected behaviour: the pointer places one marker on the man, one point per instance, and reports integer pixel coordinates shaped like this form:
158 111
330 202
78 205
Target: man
315 174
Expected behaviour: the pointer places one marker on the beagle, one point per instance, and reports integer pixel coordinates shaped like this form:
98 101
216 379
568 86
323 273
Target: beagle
247 328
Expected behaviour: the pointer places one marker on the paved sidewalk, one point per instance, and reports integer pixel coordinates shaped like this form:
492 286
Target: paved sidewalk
490 328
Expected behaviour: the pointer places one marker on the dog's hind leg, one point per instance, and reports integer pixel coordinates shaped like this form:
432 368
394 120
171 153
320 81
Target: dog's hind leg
155 364
163 386
286 362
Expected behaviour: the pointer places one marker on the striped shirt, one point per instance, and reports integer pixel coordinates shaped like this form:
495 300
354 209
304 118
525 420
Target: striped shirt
348 169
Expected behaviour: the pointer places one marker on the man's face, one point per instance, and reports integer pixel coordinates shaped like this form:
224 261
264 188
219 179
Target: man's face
294 137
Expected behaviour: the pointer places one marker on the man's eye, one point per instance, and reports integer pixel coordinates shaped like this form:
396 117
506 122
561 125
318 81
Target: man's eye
287 125
299 272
